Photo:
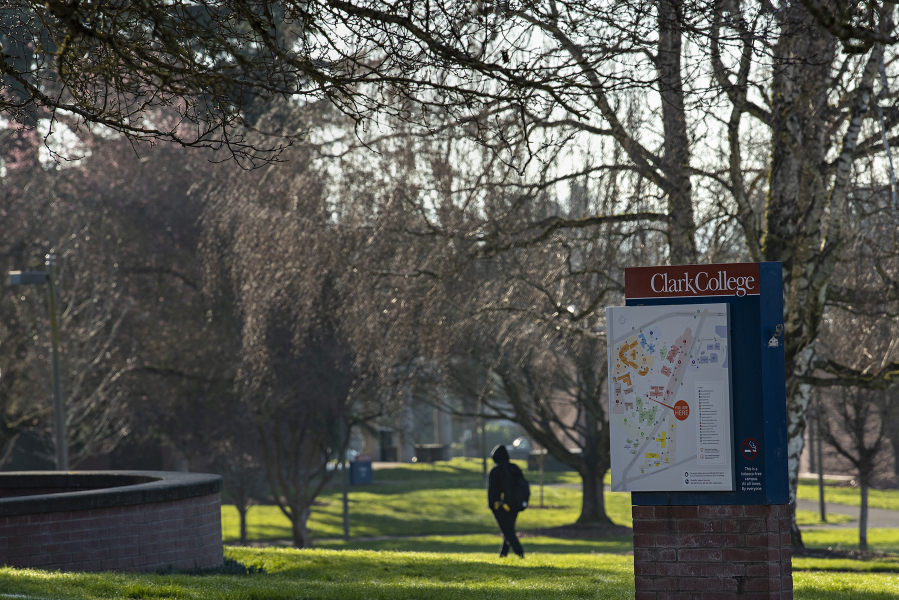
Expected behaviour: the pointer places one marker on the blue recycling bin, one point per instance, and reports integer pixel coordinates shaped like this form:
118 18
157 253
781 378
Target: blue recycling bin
361 472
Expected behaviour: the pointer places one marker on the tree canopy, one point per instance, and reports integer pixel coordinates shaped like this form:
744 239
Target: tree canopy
721 131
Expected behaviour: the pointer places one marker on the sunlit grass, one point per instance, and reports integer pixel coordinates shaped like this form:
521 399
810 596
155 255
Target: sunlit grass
888 499
445 505
326 575
487 544
889 564
811 517
445 498
397 510
845 586
267 523
880 539
365 575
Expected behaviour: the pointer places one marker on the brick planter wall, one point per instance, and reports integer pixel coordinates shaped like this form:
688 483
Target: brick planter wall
173 520
714 552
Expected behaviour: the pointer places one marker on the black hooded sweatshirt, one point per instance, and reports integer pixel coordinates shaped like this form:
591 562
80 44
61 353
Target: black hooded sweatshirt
500 479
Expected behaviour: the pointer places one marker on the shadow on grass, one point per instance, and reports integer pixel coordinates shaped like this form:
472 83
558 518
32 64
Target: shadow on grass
399 523
390 567
330 526
508 590
451 511
486 543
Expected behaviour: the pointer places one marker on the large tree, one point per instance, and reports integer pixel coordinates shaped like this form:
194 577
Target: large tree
816 106
662 82
282 247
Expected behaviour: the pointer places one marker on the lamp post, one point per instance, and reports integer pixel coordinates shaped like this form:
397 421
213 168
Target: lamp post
49 277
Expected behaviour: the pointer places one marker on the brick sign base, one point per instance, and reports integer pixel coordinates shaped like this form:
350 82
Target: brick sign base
712 552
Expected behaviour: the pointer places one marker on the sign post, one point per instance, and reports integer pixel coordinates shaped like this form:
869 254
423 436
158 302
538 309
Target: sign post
698 425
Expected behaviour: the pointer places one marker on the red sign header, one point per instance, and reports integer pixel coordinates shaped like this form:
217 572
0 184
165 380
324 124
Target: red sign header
687 281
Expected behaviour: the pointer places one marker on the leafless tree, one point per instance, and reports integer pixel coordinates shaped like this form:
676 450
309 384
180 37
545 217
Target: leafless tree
283 246
856 430
493 287
851 23
125 228
303 422
45 213
657 83
816 106
243 474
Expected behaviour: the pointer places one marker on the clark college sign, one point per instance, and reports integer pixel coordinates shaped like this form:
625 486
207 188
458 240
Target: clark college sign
684 281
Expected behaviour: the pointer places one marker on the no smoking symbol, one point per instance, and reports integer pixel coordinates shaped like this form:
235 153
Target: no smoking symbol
750 448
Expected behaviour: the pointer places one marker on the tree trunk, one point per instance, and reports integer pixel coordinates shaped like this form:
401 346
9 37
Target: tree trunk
806 201
894 442
345 484
814 252
822 506
863 518
242 511
676 157
812 437
593 505
798 397
298 520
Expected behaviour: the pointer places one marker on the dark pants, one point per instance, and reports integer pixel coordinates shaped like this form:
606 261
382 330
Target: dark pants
506 521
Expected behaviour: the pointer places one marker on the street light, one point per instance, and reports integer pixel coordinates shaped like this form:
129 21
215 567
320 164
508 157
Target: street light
49 277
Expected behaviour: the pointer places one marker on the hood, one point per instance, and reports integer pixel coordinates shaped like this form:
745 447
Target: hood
500 454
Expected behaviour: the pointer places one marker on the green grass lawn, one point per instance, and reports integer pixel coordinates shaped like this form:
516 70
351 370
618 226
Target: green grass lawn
427 513
441 507
425 499
436 540
888 499
487 543
332 575
398 510
365 575
846 565
446 498
812 517
881 539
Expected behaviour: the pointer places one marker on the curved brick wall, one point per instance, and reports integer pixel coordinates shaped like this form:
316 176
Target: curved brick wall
110 521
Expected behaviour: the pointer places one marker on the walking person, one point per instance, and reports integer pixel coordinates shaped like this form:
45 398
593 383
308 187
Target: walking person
507 494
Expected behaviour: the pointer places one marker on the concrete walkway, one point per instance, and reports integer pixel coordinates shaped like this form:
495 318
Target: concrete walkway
877 517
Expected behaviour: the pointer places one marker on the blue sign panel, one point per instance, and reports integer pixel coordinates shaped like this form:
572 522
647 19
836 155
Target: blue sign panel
755 295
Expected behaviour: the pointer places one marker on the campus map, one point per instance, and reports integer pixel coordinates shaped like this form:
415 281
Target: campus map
669 397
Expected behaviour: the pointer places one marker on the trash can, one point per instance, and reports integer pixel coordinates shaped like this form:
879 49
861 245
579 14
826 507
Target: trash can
361 472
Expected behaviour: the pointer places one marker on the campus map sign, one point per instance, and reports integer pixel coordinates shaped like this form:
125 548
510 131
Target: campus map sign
670 396
697 388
